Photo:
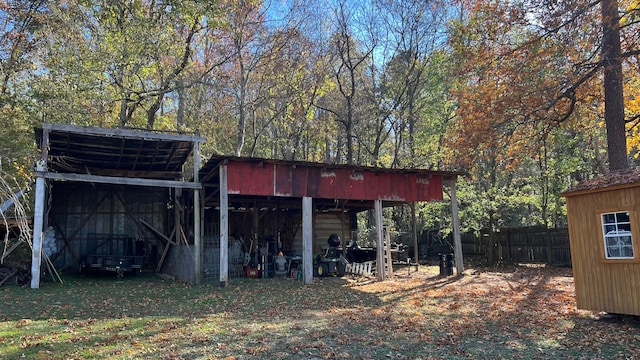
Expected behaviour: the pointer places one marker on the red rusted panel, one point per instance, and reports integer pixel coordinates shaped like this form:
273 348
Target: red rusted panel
299 181
313 182
391 188
342 185
283 180
249 178
412 190
328 183
359 184
429 188
257 178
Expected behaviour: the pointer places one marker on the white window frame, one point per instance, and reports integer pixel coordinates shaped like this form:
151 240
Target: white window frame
617 236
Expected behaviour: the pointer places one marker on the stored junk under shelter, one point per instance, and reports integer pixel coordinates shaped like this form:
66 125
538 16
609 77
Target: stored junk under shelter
117 200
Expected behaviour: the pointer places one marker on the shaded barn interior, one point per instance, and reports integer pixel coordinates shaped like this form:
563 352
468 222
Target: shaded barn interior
110 203
265 205
95 222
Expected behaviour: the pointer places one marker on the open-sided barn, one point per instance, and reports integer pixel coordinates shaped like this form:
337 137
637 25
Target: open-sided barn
117 199
299 204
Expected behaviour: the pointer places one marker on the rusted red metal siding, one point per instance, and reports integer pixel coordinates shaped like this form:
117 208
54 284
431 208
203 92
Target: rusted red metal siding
250 178
266 179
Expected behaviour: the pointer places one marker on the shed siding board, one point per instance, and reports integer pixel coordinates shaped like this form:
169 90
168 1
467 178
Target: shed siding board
635 284
600 285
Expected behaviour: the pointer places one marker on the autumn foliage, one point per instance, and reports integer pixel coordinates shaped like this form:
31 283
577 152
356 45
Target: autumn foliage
527 69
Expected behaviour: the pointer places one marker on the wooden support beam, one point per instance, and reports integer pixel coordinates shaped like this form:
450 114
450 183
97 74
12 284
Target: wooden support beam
380 256
118 180
387 254
456 229
197 220
164 255
224 227
124 133
38 221
39 213
307 239
414 225
157 233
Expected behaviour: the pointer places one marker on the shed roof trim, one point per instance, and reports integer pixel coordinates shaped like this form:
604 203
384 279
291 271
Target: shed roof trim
615 178
124 133
215 160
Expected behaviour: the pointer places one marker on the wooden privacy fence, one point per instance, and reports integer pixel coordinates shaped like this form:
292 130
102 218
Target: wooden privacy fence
524 244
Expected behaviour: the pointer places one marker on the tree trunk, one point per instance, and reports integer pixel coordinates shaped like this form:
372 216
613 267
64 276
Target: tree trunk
181 105
613 92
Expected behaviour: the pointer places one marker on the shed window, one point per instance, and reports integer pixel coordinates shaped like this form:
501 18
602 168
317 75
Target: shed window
618 242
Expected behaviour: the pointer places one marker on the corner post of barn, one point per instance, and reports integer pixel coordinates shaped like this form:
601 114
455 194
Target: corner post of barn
414 231
307 238
380 251
456 227
197 225
224 226
39 213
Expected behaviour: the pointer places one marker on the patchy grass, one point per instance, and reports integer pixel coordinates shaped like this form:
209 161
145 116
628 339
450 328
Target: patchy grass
507 313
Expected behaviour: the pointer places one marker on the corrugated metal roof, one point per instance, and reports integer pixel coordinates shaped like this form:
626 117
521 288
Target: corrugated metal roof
215 160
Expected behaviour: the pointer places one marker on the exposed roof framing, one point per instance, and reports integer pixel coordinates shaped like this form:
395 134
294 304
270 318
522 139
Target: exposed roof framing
110 153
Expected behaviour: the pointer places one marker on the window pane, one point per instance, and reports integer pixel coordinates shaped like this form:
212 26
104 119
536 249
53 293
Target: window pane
618 239
622 217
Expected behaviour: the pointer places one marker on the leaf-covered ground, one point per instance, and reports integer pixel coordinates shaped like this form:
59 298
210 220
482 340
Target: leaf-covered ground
517 312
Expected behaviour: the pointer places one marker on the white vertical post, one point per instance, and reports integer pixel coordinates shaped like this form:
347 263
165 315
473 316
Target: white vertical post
380 244
224 227
456 228
414 225
197 225
38 221
39 213
307 239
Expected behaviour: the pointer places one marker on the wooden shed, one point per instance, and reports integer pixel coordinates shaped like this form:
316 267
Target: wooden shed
604 233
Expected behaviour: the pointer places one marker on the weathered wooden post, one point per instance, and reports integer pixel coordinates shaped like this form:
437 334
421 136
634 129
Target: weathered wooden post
224 226
307 239
456 228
